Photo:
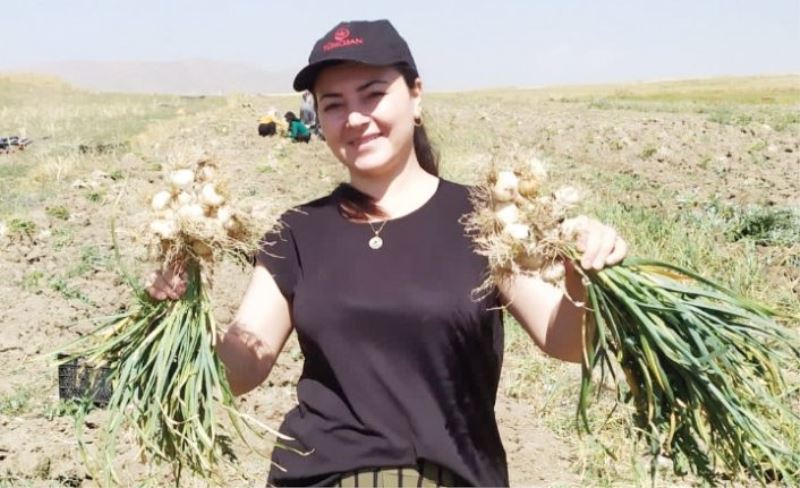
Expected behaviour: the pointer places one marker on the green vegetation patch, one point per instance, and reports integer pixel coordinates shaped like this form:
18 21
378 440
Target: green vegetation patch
59 212
763 225
16 402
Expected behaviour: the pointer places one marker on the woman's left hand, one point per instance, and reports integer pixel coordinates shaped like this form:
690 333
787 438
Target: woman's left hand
601 246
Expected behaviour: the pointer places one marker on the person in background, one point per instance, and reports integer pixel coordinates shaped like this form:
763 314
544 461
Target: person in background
307 113
266 126
272 123
401 363
298 131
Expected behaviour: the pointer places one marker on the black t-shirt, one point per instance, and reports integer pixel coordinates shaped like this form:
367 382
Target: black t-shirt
401 362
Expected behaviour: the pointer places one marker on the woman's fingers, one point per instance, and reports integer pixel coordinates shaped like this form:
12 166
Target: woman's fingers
619 252
601 246
167 284
590 242
608 237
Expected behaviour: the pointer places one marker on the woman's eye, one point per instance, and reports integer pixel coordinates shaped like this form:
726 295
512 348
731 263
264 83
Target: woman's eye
376 94
331 106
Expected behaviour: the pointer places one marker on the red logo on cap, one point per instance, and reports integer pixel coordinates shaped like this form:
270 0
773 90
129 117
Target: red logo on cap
341 38
341 34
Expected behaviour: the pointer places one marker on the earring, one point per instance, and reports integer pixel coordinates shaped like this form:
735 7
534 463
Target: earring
418 121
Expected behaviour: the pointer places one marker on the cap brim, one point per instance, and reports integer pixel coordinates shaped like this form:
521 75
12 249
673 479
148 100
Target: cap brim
307 76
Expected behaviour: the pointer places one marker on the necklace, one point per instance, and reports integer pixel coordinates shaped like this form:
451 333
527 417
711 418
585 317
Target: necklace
376 242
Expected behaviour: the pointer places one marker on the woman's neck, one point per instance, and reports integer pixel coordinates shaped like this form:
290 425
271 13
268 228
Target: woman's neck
398 192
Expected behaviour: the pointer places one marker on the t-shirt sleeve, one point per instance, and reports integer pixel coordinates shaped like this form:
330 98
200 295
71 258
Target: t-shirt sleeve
278 253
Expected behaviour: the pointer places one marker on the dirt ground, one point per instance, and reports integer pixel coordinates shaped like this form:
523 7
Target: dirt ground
682 154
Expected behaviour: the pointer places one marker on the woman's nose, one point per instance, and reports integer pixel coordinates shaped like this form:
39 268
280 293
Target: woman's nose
356 119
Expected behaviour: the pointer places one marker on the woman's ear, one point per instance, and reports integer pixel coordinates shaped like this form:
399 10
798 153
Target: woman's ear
416 96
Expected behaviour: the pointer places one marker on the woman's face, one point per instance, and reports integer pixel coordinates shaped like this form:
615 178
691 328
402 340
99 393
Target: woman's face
367 114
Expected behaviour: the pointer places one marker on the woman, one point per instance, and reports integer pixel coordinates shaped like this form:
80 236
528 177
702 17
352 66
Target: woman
401 366
298 131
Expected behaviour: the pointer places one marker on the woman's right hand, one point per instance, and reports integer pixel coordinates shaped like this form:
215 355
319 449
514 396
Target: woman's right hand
169 283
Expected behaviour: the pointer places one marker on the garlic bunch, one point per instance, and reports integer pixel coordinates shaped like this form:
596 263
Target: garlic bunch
505 193
194 217
519 223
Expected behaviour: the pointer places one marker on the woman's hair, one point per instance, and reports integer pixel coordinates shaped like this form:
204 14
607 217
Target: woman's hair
356 205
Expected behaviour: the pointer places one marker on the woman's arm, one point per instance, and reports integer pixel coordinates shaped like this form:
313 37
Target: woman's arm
250 346
552 318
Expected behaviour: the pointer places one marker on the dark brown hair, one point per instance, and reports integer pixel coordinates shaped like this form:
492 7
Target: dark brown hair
356 205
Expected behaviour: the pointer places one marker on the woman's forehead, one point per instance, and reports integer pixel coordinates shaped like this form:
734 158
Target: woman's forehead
350 74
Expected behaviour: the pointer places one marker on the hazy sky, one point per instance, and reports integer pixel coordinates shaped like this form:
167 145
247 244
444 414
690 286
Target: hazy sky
458 44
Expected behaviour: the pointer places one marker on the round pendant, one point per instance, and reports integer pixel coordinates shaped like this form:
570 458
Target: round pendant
376 242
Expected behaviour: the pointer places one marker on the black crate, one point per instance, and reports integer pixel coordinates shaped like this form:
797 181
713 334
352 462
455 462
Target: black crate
77 380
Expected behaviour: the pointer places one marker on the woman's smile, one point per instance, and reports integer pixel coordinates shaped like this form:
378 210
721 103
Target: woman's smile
363 141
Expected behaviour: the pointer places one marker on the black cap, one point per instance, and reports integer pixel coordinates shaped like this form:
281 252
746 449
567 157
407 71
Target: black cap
373 42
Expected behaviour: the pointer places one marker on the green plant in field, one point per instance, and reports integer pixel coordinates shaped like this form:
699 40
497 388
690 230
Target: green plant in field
616 145
781 121
31 281
91 259
58 212
765 226
18 228
62 236
69 292
648 152
757 146
14 171
95 196
280 153
630 182
43 468
74 408
16 402
10 480
729 116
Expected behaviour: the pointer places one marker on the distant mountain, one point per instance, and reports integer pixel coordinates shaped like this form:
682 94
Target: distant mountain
193 77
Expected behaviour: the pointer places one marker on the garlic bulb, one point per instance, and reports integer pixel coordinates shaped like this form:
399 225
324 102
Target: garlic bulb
566 197
202 249
192 212
528 187
530 261
518 231
161 200
210 197
506 186
231 224
182 178
166 229
224 215
207 173
572 228
184 198
507 214
553 273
